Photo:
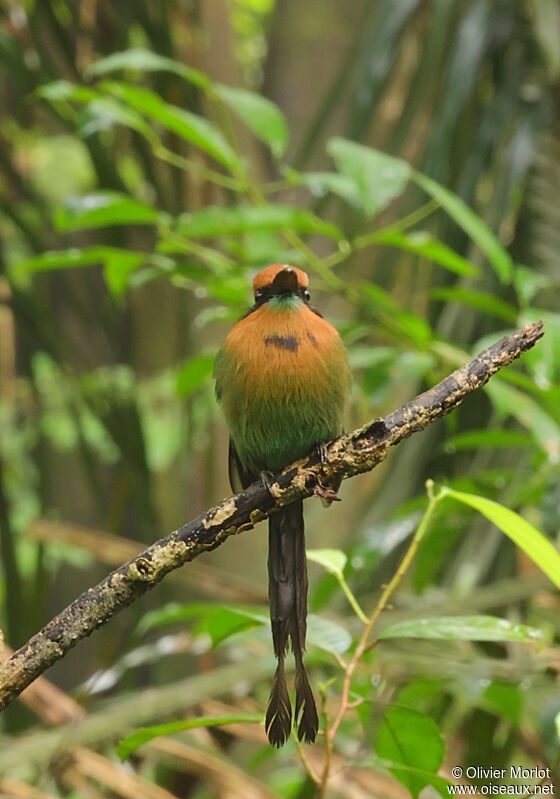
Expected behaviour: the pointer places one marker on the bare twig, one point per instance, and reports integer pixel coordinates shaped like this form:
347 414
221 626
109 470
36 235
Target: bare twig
349 455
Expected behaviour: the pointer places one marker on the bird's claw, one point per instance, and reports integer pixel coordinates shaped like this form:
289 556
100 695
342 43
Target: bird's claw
266 480
323 451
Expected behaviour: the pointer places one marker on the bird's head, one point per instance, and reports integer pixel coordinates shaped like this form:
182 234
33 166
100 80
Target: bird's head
282 284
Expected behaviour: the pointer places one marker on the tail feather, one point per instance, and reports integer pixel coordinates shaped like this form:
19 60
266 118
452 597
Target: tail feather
308 724
278 722
287 581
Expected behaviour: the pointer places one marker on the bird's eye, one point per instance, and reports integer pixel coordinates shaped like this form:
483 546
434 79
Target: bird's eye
258 295
306 296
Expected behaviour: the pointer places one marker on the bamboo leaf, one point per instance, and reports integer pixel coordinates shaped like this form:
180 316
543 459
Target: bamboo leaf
481 300
128 745
462 628
472 224
424 244
533 543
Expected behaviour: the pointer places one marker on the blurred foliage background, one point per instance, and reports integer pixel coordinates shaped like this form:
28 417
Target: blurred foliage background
140 190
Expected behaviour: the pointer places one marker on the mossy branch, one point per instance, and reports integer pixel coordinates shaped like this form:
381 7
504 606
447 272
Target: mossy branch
351 454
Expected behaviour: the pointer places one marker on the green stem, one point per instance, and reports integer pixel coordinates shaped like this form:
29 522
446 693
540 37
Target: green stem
352 599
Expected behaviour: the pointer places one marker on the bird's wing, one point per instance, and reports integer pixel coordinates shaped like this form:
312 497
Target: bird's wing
216 376
239 477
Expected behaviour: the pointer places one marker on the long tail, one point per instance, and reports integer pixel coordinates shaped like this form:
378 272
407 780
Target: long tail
287 591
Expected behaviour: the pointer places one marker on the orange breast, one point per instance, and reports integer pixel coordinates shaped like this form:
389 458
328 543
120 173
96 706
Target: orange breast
276 348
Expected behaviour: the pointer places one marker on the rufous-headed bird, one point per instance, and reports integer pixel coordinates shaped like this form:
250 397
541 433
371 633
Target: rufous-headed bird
283 380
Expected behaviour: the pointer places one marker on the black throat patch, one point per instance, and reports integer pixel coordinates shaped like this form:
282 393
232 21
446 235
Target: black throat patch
283 342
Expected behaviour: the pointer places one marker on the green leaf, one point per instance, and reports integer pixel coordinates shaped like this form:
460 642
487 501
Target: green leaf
333 560
412 325
196 130
420 775
487 439
172 613
482 301
261 116
327 635
410 739
193 374
104 113
223 622
103 209
128 745
71 258
118 267
543 428
462 628
505 699
424 244
379 178
538 548
320 183
146 61
472 224
214 221
63 90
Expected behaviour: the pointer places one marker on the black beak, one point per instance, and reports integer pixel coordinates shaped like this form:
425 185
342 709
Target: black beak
285 282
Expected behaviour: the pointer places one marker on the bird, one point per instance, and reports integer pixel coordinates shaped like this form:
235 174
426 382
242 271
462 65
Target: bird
283 380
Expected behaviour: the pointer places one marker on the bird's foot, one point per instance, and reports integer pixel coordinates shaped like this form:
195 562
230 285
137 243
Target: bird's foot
266 480
323 451
326 493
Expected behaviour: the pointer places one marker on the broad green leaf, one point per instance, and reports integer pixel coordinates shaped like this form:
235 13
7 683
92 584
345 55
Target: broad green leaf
146 61
327 635
118 267
195 129
103 209
379 177
487 439
472 224
506 699
333 560
411 739
424 244
172 613
538 548
214 221
223 622
103 113
320 183
509 400
462 628
128 745
193 374
65 259
482 301
260 115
